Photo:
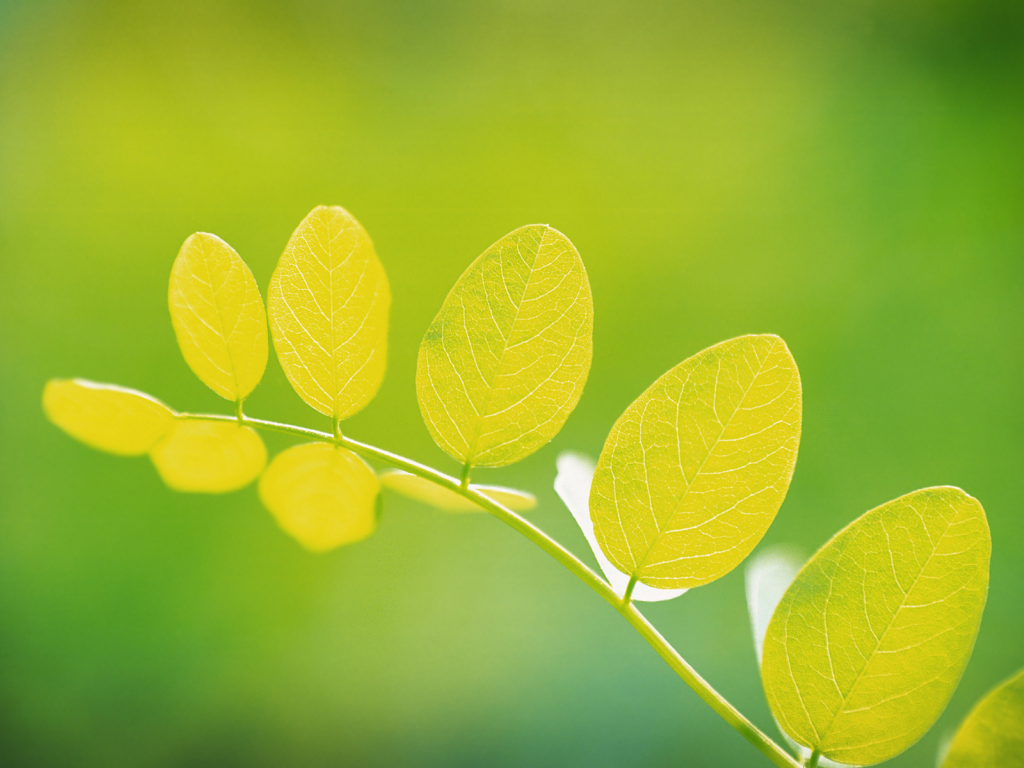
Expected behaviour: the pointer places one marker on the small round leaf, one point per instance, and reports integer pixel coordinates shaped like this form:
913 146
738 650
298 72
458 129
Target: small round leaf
322 495
209 456
105 416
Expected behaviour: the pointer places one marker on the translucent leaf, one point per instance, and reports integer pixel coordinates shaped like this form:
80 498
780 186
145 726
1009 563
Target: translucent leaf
768 576
572 484
106 416
871 639
693 472
504 362
209 456
436 496
992 736
328 304
322 495
218 316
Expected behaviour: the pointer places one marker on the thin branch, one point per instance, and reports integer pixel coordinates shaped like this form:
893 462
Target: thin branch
679 665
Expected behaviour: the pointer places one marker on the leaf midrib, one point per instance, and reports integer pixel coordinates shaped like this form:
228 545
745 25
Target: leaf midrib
885 632
220 319
711 450
478 430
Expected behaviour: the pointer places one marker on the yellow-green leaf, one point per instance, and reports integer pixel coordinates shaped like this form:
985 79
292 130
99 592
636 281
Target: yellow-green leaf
322 495
106 416
504 362
328 304
209 456
870 640
693 472
992 736
436 496
218 316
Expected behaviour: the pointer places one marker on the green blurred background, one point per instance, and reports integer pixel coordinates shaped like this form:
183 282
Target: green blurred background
848 175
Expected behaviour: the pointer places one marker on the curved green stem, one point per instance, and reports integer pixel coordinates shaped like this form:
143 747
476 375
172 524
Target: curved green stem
679 665
628 594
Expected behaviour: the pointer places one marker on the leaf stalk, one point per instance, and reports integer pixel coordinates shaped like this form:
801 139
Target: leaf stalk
623 605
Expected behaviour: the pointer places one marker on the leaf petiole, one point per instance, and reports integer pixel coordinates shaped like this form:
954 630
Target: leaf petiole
627 609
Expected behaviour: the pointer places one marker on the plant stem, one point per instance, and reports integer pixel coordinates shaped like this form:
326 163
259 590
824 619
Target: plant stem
679 665
812 761
628 594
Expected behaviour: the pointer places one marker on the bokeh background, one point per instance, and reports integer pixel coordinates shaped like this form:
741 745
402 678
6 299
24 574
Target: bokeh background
848 175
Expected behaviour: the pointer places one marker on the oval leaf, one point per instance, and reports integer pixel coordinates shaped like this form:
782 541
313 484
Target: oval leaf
504 362
106 416
218 316
572 484
992 736
693 472
871 639
431 494
322 495
328 304
209 456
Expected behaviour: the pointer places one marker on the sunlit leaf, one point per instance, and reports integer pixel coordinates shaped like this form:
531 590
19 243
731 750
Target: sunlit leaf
328 305
504 362
209 456
992 736
218 316
693 472
322 495
439 497
768 576
572 484
871 639
106 416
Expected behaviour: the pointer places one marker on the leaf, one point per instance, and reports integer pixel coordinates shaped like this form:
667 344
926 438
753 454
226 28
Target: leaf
992 736
437 496
504 362
768 576
322 495
328 304
209 456
572 484
218 316
106 416
871 639
693 472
